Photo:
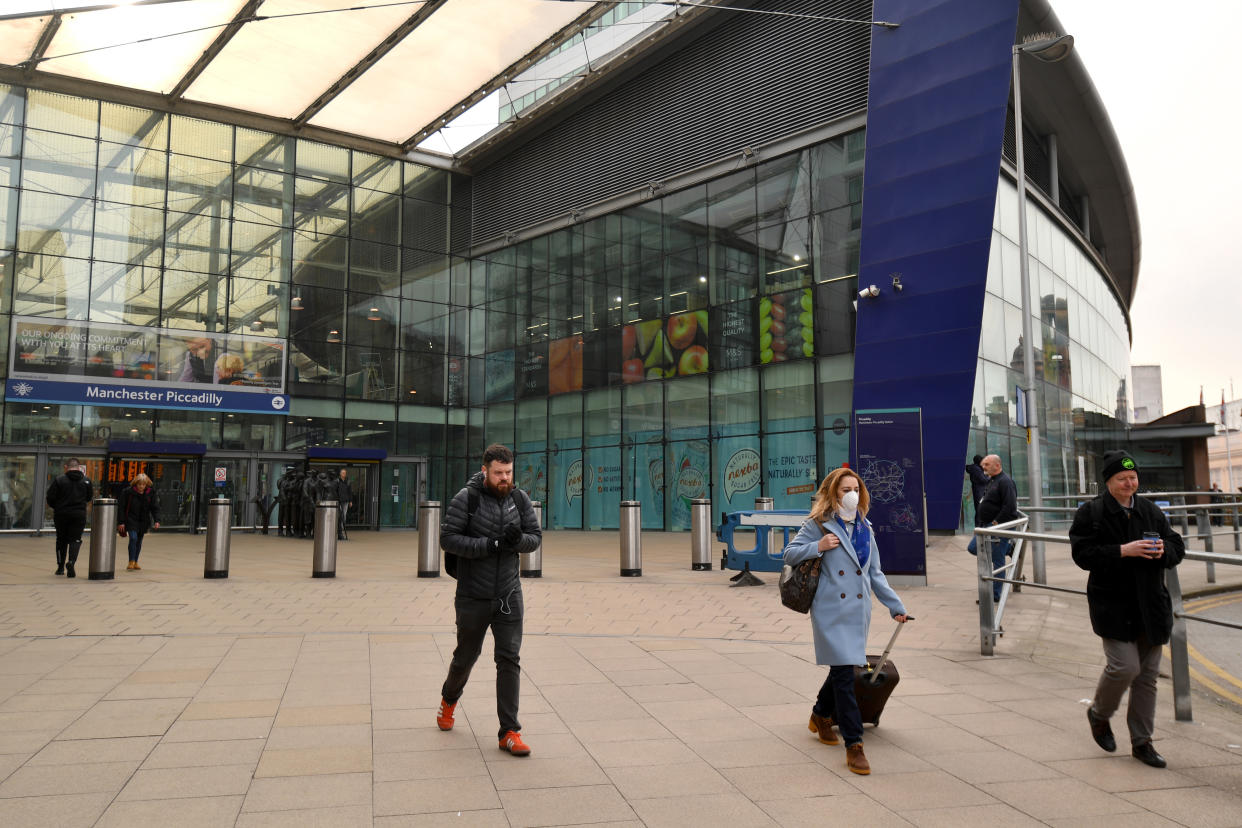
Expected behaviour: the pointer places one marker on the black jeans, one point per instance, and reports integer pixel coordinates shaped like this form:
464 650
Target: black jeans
837 699
69 534
474 616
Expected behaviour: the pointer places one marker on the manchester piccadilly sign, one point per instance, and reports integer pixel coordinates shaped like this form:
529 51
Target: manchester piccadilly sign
70 362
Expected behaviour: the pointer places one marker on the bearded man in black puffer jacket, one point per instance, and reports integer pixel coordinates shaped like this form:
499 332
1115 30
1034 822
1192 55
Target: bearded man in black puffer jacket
486 526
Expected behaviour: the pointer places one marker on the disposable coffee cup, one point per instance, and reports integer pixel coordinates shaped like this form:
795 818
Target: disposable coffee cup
1152 539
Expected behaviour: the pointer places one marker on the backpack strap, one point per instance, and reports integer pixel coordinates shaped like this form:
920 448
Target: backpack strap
472 506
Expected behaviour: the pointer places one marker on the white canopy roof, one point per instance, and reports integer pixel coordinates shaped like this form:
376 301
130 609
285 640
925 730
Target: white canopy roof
393 71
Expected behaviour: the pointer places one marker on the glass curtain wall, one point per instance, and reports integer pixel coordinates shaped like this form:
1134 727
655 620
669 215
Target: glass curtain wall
115 214
672 350
1082 355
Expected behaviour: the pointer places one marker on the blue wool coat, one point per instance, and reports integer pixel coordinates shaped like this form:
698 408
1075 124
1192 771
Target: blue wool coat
841 612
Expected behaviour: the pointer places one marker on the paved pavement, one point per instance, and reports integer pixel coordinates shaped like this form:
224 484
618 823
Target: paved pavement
272 699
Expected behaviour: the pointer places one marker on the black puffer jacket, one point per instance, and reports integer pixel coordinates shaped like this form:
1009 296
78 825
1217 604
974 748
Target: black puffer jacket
139 511
69 493
1126 596
482 570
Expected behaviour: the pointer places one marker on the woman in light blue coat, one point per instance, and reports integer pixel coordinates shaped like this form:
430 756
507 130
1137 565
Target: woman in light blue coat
838 531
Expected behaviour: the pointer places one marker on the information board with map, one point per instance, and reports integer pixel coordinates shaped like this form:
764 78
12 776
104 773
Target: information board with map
889 445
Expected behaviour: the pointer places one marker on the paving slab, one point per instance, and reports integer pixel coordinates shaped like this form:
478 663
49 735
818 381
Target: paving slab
274 699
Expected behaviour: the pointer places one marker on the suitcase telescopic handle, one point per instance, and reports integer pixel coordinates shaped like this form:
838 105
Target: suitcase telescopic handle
875 674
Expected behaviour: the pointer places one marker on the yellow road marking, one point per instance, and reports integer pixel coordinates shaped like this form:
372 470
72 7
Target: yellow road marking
1193 608
1206 682
1212 602
1212 667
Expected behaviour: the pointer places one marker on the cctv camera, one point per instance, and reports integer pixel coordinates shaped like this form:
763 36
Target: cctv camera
869 292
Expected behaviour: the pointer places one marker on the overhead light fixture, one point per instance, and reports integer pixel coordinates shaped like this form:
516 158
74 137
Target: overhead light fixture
256 325
296 304
374 315
334 336
703 279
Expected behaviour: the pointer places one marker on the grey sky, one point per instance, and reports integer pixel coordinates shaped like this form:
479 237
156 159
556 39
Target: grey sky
1170 84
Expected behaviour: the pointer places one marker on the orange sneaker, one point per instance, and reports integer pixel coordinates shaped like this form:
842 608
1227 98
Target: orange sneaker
444 716
513 743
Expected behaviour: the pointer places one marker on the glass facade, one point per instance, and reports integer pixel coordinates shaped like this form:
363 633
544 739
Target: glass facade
672 350
612 354
1082 354
113 214
698 344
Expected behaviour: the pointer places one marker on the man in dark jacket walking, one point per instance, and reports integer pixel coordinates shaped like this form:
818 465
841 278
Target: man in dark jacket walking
997 504
1126 543
68 496
486 526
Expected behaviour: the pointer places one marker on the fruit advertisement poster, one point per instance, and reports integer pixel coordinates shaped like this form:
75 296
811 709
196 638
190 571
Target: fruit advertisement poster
565 365
662 348
786 329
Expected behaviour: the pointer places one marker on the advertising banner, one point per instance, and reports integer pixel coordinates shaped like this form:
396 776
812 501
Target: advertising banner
648 471
791 469
738 473
658 348
785 326
109 364
690 461
890 462
603 487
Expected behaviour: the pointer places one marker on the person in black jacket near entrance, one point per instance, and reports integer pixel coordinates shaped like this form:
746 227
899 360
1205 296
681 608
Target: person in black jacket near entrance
68 497
138 510
486 526
1129 603
344 497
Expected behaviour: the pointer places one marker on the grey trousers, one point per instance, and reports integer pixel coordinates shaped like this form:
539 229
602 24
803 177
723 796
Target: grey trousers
1134 665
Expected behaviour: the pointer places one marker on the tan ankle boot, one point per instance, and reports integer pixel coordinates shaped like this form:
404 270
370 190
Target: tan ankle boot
856 761
822 726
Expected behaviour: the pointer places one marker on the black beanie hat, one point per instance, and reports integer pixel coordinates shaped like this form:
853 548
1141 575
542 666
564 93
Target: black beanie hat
1116 461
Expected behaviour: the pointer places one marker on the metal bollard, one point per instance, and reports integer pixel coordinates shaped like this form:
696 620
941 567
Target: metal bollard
631 538
103 540
323 560
429 539
764 504
700 534
216 561
530 564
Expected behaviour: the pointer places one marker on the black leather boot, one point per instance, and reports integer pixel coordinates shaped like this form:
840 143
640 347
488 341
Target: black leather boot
60 562
73 559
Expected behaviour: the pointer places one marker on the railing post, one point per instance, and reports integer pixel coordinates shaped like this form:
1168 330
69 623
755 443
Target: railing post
1208 543
987 610
1179 654
1181 501
1237 539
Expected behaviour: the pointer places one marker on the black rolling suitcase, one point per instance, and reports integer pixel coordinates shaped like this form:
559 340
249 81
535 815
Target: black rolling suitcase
874 683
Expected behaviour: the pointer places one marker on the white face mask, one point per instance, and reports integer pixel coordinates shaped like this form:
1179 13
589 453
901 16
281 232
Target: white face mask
849 501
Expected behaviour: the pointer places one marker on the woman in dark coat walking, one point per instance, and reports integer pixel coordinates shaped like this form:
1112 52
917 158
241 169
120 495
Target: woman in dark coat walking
139 512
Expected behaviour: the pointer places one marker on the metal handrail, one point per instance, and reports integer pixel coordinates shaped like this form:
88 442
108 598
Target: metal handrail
989 616
1232 496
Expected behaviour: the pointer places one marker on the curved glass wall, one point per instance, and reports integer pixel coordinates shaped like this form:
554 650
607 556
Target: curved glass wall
1082 354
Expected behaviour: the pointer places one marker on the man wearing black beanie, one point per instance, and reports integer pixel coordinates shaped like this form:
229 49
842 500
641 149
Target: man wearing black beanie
1125 542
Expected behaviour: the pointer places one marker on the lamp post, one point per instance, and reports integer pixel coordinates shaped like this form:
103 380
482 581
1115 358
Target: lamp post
1048 48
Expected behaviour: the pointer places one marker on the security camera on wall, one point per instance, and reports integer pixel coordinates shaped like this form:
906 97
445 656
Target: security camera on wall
869 292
